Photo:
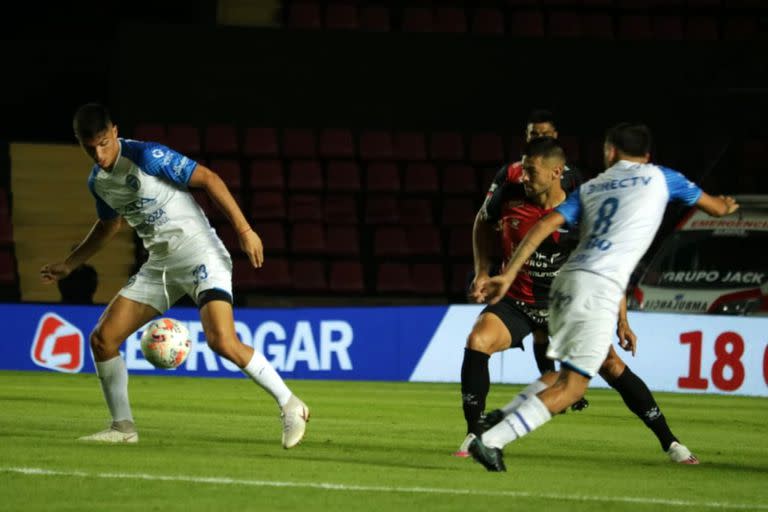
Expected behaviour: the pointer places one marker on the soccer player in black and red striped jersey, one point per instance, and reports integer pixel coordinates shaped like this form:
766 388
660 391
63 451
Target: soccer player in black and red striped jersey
510 209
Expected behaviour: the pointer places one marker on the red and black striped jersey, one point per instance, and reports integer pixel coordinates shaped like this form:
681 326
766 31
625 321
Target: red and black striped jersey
507 206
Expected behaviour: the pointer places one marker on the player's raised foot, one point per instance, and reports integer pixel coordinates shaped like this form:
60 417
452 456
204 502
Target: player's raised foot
580 405
681 454
463 450
294 415
118 432
490 419
491 458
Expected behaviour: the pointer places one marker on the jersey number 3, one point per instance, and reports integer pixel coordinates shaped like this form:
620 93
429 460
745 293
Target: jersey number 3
605 214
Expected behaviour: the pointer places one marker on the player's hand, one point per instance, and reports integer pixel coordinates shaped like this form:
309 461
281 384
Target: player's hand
251 244
496 287
476 288
627 337
53 272
730 204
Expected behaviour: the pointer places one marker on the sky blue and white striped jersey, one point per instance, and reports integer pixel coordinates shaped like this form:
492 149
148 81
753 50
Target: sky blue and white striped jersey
619 212
148 187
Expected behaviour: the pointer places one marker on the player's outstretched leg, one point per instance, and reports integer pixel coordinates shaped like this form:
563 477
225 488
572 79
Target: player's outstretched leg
122 317
640 401
219 326
547 365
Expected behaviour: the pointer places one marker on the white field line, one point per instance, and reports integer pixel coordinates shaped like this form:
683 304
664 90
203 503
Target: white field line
328 486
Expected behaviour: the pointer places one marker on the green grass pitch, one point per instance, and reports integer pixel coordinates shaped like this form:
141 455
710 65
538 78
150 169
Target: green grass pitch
214 444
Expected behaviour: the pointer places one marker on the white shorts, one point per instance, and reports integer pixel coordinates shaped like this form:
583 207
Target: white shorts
161 283
583 311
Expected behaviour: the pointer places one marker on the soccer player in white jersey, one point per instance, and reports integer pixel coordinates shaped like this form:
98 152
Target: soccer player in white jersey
619 213
147 185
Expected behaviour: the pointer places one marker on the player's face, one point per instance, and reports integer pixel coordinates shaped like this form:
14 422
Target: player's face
534 130
103 148
539 174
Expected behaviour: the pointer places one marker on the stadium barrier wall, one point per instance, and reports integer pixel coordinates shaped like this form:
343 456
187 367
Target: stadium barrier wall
683 353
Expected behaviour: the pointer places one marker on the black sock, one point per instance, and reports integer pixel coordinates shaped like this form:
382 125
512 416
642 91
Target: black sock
475 383
640 401
544 363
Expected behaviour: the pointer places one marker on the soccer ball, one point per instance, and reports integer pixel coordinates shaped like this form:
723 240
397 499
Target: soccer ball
165 343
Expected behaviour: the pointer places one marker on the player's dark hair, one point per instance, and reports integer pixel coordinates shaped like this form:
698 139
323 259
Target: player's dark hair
90 120
542 116
546 147
632 139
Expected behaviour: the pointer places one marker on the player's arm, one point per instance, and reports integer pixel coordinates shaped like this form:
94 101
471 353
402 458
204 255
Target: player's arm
627 337
485 239
497 286
716 206
102 232
217 190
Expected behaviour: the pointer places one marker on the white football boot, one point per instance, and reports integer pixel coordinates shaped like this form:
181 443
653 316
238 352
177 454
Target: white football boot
118 432
463 450
681 454
294 415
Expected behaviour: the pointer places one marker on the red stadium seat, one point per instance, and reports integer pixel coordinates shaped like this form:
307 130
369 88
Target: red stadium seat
275 274
394 277
342 240
488 21
307 238
428 278
526 23
702 28
153 132
266 174
597 25
390 241
229 171
410 146
267 206
414 212
421 177
458 212
305 175
459 179
382 177
260 142
376 145
417 19
460 242
221 139
272 235
447 146
382 210
460 278
668 27
375 18
309 276
450 19
341 16
336 144
565 24
346 277
304 15
227 234
7 267
305 207
740 28
299 143
184 138
486 148
343 176
424 240
635 27
341 209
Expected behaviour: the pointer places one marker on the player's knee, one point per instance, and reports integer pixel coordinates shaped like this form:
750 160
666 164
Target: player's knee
612 368
219 340
99 344
481 342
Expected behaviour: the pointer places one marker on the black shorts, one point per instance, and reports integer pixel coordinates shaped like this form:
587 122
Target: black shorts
519 318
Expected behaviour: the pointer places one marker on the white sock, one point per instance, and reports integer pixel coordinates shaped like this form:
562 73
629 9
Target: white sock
265 376
529 416
113 376
534 388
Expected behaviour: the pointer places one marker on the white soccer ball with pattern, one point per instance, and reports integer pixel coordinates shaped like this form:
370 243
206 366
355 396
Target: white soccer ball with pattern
165 343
